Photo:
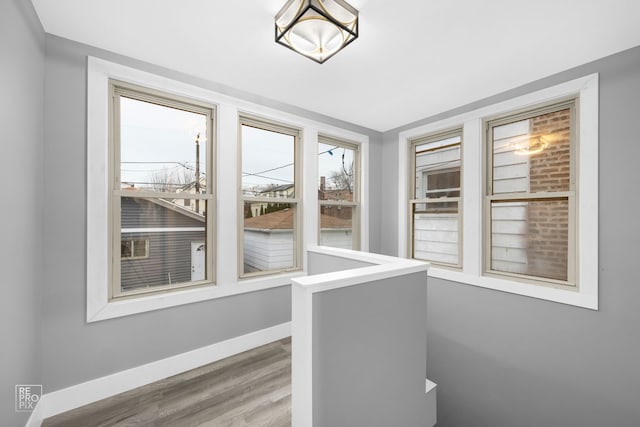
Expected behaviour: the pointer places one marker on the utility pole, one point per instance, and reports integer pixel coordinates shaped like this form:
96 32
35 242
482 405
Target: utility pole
198 171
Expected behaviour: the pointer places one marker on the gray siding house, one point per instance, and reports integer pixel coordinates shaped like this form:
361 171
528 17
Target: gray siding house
162 243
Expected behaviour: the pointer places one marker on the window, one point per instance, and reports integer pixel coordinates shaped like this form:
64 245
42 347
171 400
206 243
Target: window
155 232
134 249
161 191
338 193
435 202
526 200
531 195
270 198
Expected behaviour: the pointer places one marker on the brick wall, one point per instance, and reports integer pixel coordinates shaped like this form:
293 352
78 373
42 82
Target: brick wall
548 220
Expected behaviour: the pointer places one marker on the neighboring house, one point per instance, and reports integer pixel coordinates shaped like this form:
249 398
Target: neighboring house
162 243
337 195
269 244
336 231
259 208
193 204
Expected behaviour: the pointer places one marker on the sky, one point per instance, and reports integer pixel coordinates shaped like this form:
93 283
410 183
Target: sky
158 140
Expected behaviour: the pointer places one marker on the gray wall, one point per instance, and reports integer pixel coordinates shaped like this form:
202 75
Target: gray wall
21 124
369 350
322 263
506 360
75 351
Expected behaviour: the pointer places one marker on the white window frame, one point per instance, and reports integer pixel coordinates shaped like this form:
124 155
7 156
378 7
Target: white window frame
295 201
228 109
355 203
585 90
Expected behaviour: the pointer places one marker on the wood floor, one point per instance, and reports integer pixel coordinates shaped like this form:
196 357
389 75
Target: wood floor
249 389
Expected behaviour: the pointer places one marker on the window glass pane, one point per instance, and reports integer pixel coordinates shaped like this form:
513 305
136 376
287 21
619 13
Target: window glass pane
436 232
437 169
336 226
139 248
126 250
269 242
267 163
336 166
175 237
530 238
161 148
533 155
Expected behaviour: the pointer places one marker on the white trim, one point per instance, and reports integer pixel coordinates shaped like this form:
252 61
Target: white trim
161 230
60 401
301 357
227 109
302 291
586 88
127 306
37 416
309 197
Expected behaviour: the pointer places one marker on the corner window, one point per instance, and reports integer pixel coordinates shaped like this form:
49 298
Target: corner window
531 195
435 204
270 197
338 193
161 169
526 198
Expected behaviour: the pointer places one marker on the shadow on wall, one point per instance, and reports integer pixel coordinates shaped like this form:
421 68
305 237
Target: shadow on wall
471 394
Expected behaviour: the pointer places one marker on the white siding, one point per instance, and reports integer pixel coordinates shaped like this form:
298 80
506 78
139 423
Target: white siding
436 237
264 250
509 220
336 238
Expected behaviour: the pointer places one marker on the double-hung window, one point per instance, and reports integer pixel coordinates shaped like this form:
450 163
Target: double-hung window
161 191
525 202
270 198
338 193
435 203
531 195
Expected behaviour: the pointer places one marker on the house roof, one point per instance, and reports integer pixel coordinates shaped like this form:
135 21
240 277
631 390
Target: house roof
283 220
170 205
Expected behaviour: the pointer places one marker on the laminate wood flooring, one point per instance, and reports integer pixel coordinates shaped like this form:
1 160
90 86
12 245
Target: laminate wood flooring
249 389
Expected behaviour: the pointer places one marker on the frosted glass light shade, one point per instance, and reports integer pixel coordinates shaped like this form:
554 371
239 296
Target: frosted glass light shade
317 29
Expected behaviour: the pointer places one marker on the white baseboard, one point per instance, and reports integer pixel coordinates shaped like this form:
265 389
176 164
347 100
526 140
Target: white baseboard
91 391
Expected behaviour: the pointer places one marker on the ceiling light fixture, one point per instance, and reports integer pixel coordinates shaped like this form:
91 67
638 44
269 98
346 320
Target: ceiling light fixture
317 29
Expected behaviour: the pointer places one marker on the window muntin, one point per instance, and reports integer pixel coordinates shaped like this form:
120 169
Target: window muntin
531 201
435 206
270 231
338 193
161 169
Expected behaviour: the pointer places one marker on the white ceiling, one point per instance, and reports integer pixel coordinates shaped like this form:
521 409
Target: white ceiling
413 58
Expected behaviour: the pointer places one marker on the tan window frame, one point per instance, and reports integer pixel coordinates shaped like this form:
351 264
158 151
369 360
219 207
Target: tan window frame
355 203
570 196
116 90
415 199
296 201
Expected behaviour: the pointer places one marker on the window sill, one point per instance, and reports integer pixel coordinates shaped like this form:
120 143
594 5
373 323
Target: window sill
102 310
576 298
